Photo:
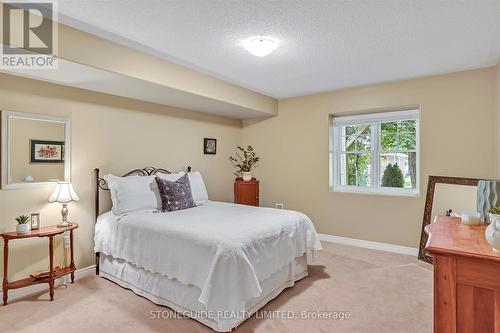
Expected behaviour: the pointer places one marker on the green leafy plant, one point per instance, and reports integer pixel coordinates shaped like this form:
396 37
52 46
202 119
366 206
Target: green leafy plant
23 219
393 176
245 160
495 210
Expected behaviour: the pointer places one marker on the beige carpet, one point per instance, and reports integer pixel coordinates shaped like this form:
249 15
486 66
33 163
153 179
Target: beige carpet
383 292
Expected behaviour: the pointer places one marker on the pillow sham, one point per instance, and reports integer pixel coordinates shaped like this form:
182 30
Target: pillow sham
175 195
132 193
198 189
171 176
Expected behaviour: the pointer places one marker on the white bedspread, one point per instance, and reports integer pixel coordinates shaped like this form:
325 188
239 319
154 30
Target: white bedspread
222 248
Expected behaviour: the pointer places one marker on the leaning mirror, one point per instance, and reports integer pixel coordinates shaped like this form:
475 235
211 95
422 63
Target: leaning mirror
36 149
472 199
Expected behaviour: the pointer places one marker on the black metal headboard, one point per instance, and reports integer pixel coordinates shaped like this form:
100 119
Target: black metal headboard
101 184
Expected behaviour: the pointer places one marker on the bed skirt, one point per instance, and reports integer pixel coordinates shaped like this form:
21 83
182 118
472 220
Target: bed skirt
184 298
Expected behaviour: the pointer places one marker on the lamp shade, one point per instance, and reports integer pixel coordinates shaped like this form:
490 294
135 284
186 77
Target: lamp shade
63 193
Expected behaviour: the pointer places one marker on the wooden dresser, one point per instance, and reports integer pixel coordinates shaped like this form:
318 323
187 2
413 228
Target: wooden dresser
246 192
466 278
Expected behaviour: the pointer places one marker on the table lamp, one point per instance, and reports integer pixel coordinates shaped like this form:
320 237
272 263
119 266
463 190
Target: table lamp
64 193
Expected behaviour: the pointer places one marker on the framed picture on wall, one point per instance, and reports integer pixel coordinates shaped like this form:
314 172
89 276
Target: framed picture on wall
209 146
42 151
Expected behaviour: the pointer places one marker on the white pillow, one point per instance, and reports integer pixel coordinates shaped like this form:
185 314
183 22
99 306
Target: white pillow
171 176
133 193
198 189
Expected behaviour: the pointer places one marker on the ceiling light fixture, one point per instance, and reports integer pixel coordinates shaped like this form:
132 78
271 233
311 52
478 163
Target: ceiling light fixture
260 46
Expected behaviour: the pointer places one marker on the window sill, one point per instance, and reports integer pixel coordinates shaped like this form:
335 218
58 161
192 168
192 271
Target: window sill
376 191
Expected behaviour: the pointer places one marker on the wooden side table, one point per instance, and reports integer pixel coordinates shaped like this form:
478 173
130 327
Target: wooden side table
54 274
246 192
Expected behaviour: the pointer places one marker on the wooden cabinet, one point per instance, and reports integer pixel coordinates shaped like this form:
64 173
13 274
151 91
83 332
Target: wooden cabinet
246 192
466 278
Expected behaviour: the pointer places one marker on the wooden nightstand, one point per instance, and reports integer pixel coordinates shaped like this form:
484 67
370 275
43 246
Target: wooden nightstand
246 192
49 232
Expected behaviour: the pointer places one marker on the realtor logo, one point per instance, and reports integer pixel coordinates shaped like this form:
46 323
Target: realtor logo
29 35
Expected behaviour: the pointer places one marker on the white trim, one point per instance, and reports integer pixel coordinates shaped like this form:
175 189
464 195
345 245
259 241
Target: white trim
376 117
17 294
5 171
369 244
373 119
391 191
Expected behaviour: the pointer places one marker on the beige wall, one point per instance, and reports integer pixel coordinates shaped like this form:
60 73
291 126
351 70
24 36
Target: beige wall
459 198
456 140
20 133
116 135
497 117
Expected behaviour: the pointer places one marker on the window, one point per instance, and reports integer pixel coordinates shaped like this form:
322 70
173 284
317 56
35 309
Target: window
376 153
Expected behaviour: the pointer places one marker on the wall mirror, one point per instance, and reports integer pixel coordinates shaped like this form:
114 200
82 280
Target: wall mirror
36 149
459 195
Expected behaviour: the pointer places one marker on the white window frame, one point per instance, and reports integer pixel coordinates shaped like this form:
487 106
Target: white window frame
374 119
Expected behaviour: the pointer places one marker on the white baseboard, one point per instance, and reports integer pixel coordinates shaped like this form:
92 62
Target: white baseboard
369 244
16 294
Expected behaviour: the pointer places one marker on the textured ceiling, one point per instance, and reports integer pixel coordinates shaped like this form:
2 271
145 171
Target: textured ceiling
324 45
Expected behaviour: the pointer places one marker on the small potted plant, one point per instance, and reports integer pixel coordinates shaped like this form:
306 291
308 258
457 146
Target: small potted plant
493 213
244 161
23 225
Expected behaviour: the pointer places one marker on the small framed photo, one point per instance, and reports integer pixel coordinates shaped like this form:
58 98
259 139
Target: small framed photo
35 221
210 146
42 151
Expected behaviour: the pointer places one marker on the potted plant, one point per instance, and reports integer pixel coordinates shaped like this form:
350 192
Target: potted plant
493 213
245 161
23 224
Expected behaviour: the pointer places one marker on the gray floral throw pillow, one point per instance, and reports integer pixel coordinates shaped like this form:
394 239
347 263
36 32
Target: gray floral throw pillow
175 195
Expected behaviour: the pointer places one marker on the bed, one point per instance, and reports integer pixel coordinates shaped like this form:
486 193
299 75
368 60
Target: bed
217 263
